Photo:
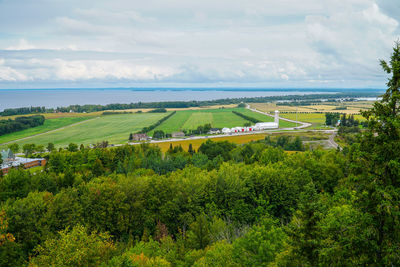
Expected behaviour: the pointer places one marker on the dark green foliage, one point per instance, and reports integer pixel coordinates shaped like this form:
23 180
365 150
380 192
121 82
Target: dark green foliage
20 123
153 126
214 149
202 129
253 120
331 119
158 134
286 143
158 110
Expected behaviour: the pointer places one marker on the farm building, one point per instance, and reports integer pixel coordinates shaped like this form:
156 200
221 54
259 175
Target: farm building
226 130
25 162
140 137
178 134
269 125
214 131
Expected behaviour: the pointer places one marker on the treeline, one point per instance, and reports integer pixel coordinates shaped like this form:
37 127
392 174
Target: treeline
116 112
154 125
253 120
158 110
20 123
23 111
285 142
183 104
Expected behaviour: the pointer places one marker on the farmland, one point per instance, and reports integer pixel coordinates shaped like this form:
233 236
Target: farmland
113 128
243 139
218 118
315 114
49 125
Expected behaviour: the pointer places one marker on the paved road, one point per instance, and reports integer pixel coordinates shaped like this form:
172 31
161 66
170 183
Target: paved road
332 141
302 124
281 130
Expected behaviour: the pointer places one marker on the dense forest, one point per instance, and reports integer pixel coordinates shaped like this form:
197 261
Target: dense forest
159 106
223 205
20 123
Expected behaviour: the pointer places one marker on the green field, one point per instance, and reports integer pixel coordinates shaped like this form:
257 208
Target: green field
317 119
218 118
49 124
112 128
264 118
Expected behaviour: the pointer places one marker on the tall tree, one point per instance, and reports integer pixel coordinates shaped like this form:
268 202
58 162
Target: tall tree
376 169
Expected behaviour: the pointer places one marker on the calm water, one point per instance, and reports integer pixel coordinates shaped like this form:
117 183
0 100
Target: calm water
65 97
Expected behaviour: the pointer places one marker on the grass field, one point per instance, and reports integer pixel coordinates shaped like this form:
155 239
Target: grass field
218 118
191 119
243 139
49 124
112 128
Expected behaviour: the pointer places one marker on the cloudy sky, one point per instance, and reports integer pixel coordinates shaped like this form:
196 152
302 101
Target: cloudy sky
185 43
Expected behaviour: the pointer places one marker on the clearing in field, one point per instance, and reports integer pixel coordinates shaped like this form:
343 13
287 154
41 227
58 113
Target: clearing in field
111 128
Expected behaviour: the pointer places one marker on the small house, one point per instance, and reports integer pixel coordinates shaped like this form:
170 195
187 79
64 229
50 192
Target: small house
140 137
214 131
178 134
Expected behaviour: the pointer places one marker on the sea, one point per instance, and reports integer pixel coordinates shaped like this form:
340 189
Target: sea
52 98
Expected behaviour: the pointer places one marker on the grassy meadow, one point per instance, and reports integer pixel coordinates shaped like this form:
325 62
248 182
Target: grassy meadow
113 128
49 125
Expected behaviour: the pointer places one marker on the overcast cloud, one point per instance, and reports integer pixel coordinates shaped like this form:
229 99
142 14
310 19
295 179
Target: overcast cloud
254 43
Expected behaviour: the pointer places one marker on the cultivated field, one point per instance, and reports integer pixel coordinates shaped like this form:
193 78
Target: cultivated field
218 118
49 125
315 114
113 128
243 139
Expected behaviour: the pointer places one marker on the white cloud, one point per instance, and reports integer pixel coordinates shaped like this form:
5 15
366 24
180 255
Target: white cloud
177 41
22 45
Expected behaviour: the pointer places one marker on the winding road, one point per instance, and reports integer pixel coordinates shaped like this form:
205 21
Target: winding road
303 125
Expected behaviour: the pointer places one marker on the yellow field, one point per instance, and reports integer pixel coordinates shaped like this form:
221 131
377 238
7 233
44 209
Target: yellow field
352 107
242 139
271 107
239 139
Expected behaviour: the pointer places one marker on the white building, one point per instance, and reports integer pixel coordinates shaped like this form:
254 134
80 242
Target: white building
269 125
226 130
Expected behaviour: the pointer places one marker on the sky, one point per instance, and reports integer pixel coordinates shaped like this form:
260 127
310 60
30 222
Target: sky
185 43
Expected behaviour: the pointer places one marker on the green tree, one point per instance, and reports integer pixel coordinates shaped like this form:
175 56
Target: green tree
72 147
303 229
376 168
28 149
260 245
198 235
74 248
14 147
50 147
191 150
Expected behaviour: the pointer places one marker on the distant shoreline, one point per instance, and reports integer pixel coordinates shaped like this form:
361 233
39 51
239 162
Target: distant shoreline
202 89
